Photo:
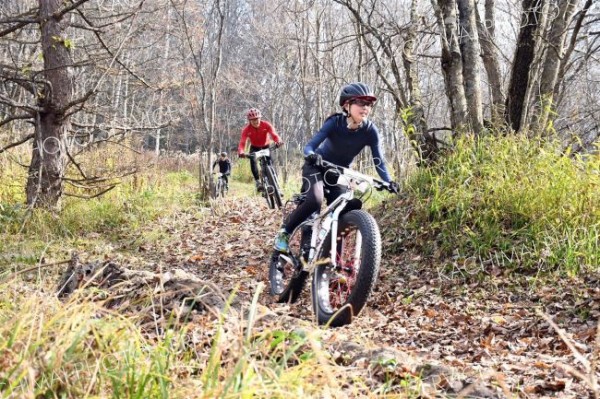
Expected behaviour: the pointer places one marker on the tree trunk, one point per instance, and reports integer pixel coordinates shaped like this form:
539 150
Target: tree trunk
491 63
47 168
523 60
470 50
564 64
416 125
452 68
555 52
210 113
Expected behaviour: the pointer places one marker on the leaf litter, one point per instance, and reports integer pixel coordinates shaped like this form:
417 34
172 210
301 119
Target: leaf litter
498 336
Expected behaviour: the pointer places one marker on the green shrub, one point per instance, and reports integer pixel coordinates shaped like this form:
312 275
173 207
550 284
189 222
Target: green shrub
512 200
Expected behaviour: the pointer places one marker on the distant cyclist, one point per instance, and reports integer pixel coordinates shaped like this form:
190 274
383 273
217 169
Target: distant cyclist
224 167
341 138
259 133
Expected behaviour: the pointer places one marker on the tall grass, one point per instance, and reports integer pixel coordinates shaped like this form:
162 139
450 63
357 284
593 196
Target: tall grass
79 349
162 186
135 199
75 350
514 202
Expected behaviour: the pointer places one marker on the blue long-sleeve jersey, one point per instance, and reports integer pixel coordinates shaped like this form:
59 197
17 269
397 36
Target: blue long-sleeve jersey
339 145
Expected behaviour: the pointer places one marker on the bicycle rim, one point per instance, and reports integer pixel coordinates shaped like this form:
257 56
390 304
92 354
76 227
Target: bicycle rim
286 276
340 293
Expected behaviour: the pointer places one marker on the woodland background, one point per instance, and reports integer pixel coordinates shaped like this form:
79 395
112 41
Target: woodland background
112 111
177 76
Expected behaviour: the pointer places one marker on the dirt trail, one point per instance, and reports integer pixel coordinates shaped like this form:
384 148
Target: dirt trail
492 331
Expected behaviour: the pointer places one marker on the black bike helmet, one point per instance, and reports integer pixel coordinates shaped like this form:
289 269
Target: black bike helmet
356 91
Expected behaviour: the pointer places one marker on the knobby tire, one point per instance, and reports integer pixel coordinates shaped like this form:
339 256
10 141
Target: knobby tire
339 295
274 192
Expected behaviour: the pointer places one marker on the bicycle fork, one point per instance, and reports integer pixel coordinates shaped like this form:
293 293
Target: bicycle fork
316 244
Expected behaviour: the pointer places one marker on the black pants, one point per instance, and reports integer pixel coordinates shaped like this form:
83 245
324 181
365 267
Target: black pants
253 166
316 184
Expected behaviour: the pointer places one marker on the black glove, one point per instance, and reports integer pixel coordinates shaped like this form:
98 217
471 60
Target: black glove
394 187
314 159
279 144
242 155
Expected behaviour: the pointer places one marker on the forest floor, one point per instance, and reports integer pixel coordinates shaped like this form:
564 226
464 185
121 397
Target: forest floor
492 333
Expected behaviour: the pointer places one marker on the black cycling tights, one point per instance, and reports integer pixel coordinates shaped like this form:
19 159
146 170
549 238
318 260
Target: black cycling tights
314 183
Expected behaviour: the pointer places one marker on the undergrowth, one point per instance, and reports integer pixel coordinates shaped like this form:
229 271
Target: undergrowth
78 348
513 202
160 188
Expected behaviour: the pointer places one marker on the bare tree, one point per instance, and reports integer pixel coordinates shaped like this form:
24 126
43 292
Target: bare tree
554 50
451 62
418 132
470 50
520 81
54 90
385 39
47 168
179 74
205 46
491 63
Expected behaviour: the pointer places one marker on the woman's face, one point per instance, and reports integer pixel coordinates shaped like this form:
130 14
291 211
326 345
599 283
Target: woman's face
255 122
359 110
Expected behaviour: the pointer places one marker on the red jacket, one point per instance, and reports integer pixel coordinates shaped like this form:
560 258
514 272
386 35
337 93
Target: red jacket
259 137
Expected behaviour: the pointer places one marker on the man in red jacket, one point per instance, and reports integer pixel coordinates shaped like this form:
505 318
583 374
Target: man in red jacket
258 132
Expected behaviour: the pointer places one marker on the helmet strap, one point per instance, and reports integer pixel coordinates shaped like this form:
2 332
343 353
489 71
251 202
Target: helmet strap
352 124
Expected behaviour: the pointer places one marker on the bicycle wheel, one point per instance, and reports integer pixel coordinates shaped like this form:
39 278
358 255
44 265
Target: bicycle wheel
286 274
340 294
222 189
265 186
215 189
265 193
273 187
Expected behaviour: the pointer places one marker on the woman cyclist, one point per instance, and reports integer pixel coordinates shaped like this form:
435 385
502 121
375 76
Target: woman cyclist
341 138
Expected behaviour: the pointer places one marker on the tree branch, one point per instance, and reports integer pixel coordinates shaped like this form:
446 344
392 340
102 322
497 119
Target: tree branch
17 27
91 196
10 102
95 180
59 14
13 118
76 164
17 143
114 56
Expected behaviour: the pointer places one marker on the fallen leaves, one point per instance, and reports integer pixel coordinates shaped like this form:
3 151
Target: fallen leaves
481 326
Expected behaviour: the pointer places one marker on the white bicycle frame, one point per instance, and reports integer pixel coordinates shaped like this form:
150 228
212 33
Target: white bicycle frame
354 180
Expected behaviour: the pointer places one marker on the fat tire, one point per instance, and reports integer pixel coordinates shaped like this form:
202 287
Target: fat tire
370 260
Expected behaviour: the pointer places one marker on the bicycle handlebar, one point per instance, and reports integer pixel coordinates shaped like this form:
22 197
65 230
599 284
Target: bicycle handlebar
270 147
376 183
